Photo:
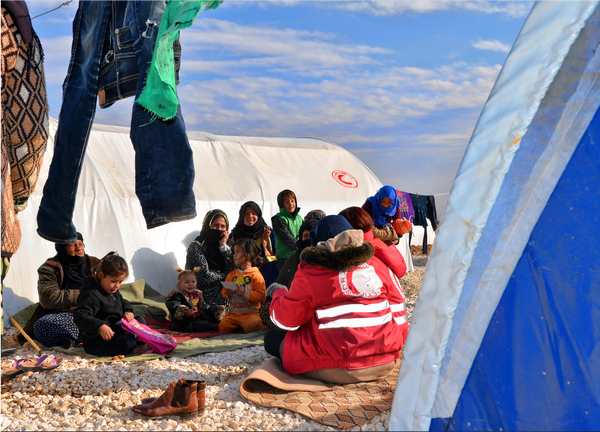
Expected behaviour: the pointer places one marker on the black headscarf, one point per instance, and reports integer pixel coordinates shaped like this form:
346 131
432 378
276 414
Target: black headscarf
241 230
75 268
209 239
308 225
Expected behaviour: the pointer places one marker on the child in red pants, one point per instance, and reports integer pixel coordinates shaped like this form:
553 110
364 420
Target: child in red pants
250 293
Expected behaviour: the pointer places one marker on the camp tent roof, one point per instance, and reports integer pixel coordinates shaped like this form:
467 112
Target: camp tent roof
229 172
505 331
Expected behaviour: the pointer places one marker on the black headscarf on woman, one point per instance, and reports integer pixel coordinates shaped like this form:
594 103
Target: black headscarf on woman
75 268
241 230
209 239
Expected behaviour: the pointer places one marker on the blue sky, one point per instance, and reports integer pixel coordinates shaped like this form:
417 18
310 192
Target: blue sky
399 84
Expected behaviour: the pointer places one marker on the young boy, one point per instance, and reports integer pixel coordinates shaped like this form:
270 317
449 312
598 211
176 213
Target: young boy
286 225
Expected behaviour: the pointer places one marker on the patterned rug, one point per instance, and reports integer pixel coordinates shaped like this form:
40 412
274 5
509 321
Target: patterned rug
341 406
162 326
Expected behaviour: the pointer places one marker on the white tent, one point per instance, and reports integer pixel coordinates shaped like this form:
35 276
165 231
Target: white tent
229 171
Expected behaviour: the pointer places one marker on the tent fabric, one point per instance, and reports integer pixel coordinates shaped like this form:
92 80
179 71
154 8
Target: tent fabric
546 324
229 171
537 112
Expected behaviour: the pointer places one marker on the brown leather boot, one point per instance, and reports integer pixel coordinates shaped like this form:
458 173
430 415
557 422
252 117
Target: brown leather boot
200 392
180 399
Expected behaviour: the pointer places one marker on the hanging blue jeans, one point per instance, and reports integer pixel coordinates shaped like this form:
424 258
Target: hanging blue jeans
113 41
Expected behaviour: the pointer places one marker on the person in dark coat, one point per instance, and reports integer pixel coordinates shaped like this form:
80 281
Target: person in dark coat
59 283
100 309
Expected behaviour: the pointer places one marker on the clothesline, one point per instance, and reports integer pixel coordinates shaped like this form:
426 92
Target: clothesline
52 10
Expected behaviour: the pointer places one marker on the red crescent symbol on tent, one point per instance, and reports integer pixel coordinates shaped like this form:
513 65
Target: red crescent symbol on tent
345 179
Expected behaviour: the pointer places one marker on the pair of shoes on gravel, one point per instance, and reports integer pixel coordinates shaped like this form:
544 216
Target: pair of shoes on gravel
43 364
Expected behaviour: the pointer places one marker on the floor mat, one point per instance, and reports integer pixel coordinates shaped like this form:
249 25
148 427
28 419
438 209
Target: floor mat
227 342
162 326
338 406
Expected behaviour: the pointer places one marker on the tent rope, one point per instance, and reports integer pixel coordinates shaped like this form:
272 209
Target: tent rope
52 10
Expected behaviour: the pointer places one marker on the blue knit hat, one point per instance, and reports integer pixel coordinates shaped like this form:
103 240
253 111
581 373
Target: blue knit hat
329 227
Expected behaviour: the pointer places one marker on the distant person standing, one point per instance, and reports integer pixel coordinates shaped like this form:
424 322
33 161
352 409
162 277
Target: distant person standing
286 225
24 122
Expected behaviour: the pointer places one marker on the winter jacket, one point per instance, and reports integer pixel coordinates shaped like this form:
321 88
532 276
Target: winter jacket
53 298
178 302
50 282
286 274
287 228
96 307
339 310
393 259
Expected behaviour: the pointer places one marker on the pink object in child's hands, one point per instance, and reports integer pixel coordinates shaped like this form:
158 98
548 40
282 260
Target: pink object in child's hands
158 342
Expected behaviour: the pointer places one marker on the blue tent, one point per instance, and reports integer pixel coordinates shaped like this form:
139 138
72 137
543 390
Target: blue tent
506 331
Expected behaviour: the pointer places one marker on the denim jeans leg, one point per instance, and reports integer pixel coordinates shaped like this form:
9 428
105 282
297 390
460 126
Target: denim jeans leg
164 165
75 121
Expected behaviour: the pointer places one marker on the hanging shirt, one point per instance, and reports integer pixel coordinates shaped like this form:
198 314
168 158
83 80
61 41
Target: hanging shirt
406 207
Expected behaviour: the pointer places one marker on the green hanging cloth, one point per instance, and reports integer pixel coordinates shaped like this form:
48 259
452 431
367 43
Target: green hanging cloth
159 95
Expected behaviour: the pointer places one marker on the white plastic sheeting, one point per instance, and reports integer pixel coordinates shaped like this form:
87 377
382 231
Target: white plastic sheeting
229 172
438 356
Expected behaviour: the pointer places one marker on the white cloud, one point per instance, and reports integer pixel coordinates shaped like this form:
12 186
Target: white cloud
492 45
267 47
296 83
512 9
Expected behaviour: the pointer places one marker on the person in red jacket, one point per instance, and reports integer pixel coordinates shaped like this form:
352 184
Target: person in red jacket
337 322
390 255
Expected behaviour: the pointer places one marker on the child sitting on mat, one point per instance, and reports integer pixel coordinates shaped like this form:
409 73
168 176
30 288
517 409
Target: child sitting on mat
185 304
250 291
100 308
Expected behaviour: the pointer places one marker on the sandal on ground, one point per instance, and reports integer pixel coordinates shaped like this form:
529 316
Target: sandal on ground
44 363
14 370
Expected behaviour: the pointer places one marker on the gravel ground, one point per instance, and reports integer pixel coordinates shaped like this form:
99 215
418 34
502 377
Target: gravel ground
87 395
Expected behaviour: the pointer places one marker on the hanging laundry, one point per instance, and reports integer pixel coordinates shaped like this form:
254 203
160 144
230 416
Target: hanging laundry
432 212
159 95
105 34
24 123
423 210
406 207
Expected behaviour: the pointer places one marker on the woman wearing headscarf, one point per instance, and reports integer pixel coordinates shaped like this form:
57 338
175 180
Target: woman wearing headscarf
341 319
384 208
210 252
252 225
60 280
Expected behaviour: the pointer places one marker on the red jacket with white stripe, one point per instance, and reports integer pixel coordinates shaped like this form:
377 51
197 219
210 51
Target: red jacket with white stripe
338 311
392 257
